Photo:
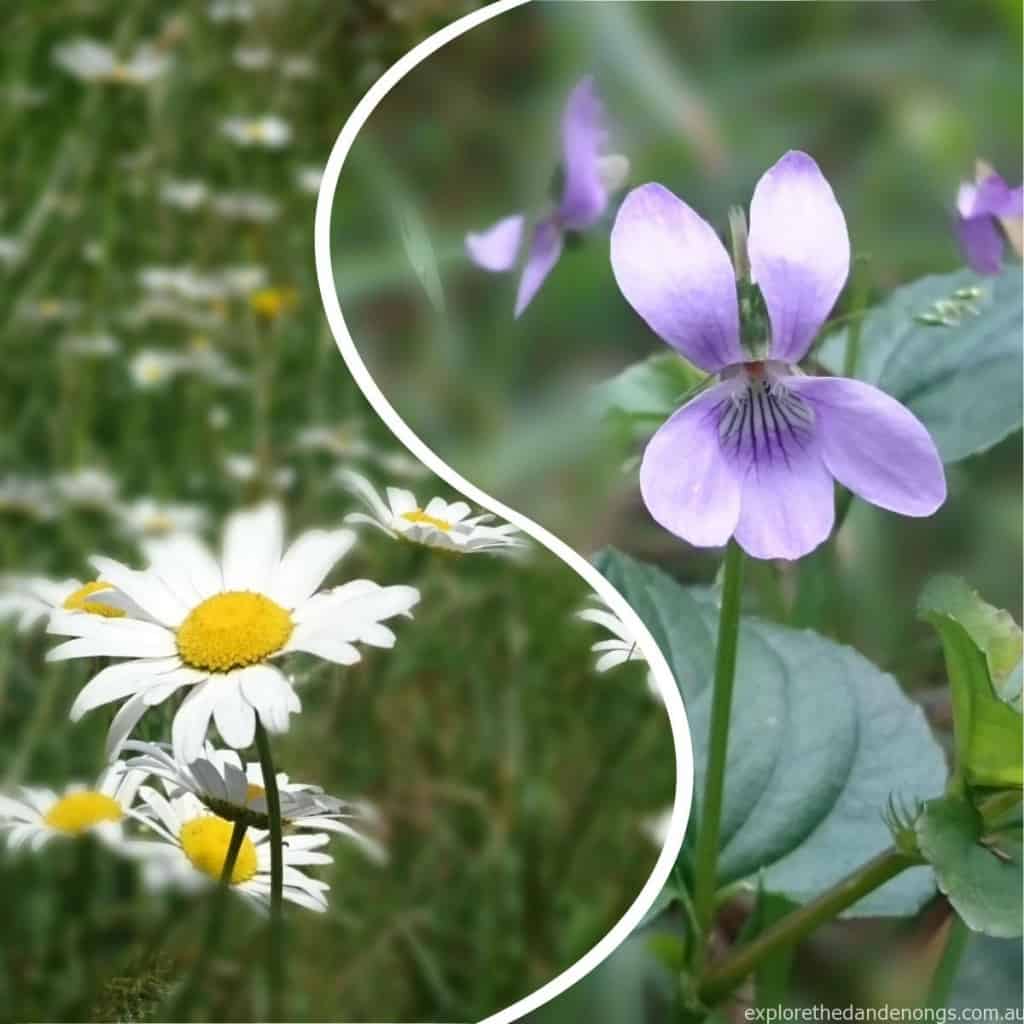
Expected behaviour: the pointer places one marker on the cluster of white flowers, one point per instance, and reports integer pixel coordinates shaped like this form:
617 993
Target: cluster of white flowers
216 631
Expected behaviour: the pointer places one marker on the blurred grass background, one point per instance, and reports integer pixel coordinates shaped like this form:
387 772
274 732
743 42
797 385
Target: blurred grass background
895 101
512 783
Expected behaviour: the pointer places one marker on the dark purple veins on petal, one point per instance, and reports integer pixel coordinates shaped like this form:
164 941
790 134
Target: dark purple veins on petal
763 422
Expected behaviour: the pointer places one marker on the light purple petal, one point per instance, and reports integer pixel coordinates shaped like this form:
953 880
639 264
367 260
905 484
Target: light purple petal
585 197
799 251
674 271
545 250
874 445
787 505
496 248
980 242
687 484
993 197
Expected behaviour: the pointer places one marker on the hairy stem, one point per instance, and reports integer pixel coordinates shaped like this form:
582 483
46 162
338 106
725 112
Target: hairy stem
182 1005
275 963
717 984
706 860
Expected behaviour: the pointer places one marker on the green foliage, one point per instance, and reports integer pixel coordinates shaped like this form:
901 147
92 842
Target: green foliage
982 650
640 398
948 347
820 739
980 871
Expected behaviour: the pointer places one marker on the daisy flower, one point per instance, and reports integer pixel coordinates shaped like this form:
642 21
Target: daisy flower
91 61
252 58
11 249
243 469
267 132
201 840
90 487
235 791
33 598
617 650
620 647
38 815
438 524
96 346
589 178
151 368
343 440
756 454
231 10
147 517
216 627
25 496
250 207
308 179
184 195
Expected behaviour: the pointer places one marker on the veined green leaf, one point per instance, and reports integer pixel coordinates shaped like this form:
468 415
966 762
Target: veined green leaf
977 640
820 739
949 348
981 874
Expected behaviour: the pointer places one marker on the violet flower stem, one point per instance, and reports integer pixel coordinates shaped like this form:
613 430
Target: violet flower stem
714 778
275 962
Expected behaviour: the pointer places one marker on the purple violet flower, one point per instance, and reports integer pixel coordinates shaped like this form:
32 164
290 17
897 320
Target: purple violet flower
980 207
589 180
754 456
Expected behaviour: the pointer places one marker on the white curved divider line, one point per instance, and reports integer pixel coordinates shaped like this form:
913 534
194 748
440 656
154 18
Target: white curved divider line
659 667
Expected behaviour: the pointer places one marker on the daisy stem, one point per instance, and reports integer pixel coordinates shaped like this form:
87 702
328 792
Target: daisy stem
275 964
182 1005
714 777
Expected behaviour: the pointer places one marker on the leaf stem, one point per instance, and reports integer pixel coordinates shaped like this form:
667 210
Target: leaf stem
275 962
182 1005
706 859
718 983
952 953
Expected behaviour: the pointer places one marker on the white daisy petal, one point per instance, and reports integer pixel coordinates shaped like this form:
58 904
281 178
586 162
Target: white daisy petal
236 721
124 721
188 731
362 488
146 589
118 681
306 563
401 501
325 645
185 563
252 547
270 695
144 642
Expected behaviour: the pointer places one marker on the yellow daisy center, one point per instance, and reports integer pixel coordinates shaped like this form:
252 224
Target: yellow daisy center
421 517
270 303
255 131
80 811
79 601
233 629
205 842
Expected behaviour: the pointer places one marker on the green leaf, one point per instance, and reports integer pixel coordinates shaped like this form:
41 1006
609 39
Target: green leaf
820 738
645 394
981 875
960 375
977 639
